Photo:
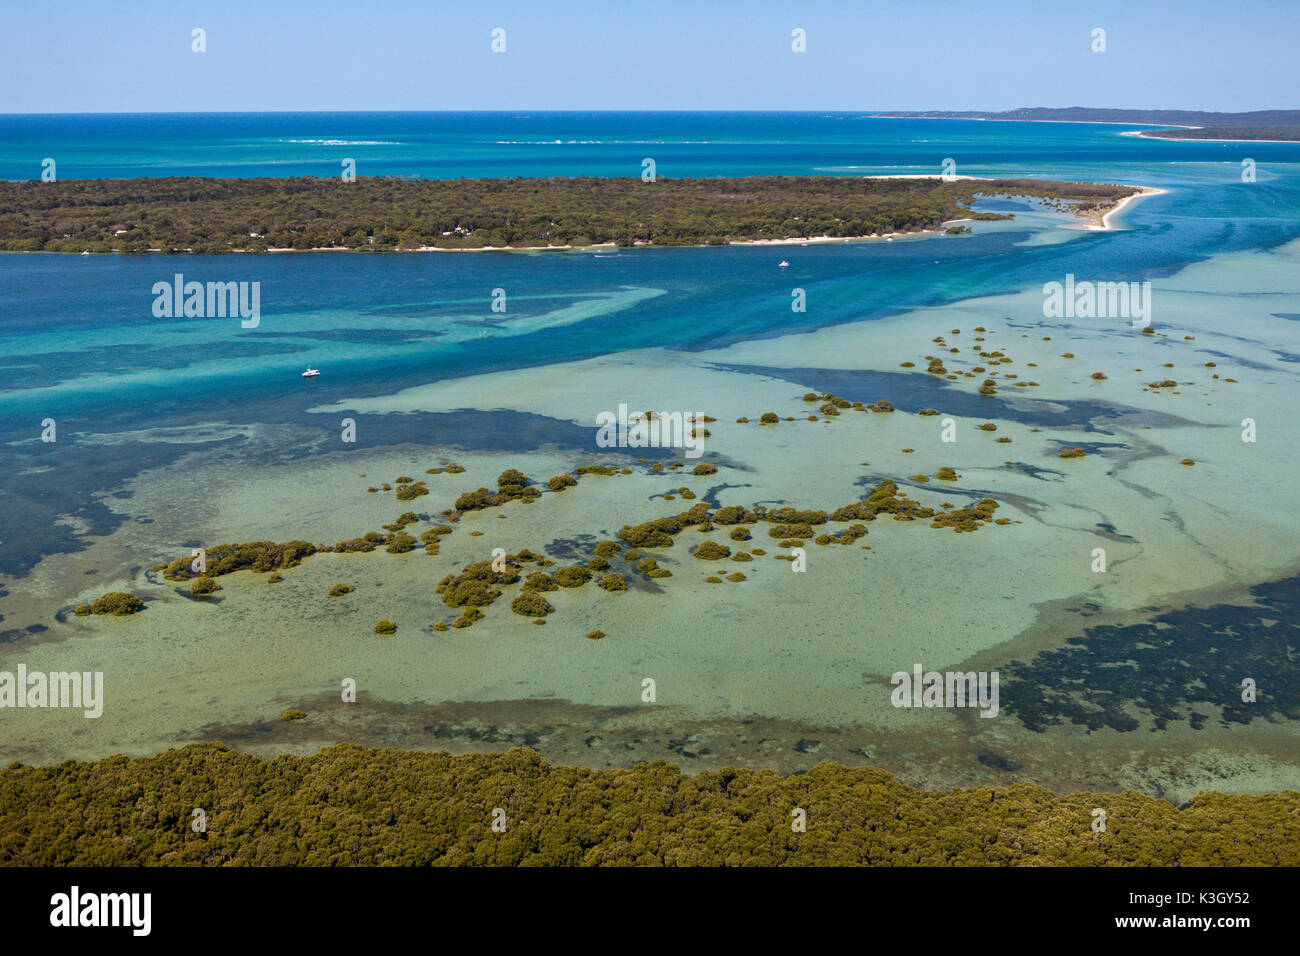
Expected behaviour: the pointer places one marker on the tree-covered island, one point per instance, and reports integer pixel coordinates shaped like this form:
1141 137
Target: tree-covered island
202 215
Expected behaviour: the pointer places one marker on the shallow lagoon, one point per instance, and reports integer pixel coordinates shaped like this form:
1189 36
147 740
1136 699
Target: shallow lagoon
175 434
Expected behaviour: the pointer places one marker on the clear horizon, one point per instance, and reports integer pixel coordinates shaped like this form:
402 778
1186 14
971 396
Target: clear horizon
870 112
77 56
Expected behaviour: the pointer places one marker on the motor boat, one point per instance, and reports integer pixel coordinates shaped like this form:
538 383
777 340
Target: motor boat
311 372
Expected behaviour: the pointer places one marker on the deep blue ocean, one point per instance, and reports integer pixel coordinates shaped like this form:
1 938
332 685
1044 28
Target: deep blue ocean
488 144
79 342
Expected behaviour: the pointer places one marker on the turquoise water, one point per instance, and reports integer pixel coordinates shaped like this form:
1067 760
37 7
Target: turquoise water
447 145
81 345
176 432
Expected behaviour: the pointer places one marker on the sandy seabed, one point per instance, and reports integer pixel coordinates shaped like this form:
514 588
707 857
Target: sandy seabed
782 669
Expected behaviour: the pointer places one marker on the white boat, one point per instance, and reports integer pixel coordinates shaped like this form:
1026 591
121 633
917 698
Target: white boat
783 265
311 372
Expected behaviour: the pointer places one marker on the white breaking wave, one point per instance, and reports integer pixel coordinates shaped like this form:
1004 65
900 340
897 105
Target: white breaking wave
343 142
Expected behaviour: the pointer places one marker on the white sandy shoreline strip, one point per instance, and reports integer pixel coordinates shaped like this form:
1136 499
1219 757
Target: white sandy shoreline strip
1100 225
1119 207
1008 119
1155 134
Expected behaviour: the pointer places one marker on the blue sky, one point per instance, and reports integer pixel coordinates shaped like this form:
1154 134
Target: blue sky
647 54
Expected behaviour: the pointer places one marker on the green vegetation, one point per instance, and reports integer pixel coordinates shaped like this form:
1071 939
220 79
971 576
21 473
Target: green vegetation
572 577
479 584
385 627
253 555
117 603
712 551
364 544
468 617
475 585
539 581
203 215
432 538
650 568
203 585
530 603
415 808
399 543
408 490
512 485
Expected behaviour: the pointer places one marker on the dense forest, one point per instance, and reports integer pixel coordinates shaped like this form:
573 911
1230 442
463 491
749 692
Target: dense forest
349 805
190 214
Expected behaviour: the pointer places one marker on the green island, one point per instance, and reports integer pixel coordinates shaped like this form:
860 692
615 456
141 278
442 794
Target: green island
201 215
347 805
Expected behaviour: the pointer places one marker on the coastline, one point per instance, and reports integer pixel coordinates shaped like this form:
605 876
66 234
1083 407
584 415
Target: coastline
996 119
1102 223
1154 134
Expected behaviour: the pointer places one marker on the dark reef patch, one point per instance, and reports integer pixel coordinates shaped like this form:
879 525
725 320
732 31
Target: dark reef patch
1177 666
1107 530
997 762
1035 472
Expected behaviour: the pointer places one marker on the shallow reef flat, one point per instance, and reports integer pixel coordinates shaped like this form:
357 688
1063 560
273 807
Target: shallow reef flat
770 668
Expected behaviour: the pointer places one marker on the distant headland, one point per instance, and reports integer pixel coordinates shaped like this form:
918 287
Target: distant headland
1279 125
